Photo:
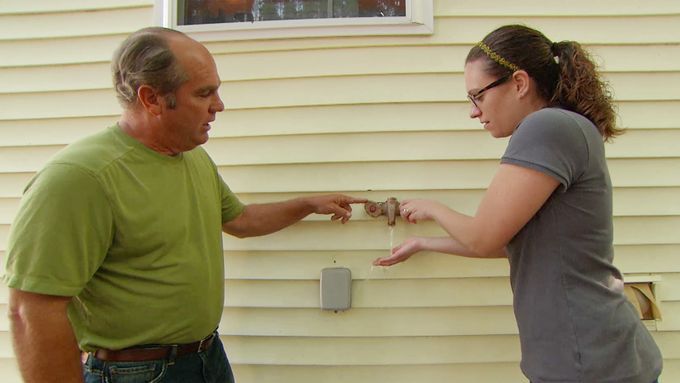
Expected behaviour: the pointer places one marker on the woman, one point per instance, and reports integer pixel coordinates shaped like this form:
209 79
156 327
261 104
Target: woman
548 209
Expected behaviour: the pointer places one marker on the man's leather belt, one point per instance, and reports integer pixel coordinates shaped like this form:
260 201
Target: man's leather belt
139 354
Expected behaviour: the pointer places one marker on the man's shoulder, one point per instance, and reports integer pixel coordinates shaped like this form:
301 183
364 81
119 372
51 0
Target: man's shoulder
93 152
199 154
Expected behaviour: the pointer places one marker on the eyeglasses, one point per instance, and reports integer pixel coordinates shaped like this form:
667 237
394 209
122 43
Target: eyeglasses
474 98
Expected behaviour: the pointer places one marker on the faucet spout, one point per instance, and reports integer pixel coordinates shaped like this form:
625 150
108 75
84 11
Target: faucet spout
392 211
389 208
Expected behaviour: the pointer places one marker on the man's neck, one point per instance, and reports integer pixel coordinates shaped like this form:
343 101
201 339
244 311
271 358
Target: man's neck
142 131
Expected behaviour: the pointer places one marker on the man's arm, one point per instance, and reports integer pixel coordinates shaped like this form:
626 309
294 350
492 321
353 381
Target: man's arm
262 219
43 339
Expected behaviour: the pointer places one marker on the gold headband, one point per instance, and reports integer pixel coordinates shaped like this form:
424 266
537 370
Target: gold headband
496 57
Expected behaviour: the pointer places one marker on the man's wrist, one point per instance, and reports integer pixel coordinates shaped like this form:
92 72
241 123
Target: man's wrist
307 205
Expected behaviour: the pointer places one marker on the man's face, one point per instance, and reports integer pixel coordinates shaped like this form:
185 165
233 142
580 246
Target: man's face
197 100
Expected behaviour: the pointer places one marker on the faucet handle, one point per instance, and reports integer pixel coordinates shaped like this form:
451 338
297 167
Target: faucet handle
374 209
389 208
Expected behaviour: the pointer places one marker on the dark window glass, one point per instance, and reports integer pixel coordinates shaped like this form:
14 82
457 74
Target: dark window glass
229 11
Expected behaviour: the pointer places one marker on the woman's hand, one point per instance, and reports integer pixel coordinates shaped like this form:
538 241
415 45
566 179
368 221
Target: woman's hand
414 210
401 252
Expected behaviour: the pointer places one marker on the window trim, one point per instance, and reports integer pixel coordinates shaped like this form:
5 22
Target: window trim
419 20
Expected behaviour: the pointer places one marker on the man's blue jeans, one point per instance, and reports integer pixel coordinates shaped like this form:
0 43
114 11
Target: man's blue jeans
210 366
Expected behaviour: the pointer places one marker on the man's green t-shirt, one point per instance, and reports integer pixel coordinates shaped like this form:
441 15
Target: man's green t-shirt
133 235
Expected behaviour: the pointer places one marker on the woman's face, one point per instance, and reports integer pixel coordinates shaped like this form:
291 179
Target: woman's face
492 100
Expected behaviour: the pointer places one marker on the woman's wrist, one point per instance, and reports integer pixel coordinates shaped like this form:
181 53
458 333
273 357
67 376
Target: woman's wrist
419 243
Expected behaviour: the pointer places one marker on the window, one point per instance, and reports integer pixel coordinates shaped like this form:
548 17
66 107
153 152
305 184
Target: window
210 20
192 12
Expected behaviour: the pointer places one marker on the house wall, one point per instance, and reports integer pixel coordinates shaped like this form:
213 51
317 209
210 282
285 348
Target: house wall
373 117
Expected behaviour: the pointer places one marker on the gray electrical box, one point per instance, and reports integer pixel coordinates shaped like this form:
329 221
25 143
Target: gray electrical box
336 288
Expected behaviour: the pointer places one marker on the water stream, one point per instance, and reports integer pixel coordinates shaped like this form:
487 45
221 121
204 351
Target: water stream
389 249
383 269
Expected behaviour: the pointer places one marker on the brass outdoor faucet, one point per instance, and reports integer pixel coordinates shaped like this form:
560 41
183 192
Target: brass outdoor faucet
389 208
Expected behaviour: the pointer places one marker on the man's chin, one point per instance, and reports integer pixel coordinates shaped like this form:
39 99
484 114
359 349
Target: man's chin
202 139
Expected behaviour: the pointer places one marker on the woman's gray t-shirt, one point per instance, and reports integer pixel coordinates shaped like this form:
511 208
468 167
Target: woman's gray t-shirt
574 325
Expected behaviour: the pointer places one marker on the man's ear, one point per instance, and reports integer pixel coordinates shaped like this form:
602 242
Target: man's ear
522 83
150 99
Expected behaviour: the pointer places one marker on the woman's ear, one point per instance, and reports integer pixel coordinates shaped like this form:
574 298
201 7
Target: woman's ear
149 99
521 82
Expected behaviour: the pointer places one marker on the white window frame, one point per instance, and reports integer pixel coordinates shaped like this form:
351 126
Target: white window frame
419 20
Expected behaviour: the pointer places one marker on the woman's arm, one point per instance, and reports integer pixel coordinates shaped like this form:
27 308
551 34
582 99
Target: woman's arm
515 195
447 245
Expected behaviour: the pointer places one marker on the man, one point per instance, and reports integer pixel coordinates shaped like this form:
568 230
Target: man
117 248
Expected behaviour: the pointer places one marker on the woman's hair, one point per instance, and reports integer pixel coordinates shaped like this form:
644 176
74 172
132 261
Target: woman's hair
145 58
564 72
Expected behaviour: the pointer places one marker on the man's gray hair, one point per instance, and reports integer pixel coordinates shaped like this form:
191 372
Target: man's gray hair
145 58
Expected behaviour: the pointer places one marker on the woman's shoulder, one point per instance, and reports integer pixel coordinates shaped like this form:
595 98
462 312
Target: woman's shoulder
556 115
556 122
